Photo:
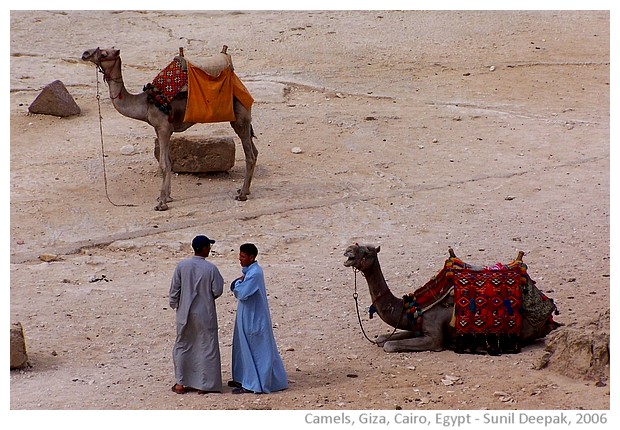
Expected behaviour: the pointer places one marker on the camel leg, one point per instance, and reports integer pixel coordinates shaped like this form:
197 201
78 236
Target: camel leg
432 339
399 335
421 343
163 138
403 341
243 127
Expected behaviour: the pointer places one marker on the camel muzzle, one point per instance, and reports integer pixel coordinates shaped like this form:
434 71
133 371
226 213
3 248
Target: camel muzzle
89 54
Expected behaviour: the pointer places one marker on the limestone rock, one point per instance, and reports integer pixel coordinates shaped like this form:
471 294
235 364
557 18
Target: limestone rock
19 357
200 154
54 99
579 351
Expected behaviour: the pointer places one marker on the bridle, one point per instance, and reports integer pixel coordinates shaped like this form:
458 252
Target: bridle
106 76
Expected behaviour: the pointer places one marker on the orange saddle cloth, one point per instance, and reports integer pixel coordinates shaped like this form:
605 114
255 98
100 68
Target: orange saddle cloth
210 99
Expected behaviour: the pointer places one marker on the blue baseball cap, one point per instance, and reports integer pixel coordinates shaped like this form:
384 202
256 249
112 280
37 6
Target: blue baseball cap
201 241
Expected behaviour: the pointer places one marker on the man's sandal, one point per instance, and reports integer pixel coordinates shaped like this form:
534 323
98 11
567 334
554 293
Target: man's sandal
178 388
241 390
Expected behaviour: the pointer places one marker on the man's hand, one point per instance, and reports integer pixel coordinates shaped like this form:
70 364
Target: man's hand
232 284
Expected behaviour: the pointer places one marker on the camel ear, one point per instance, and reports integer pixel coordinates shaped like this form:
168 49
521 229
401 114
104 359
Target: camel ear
378 248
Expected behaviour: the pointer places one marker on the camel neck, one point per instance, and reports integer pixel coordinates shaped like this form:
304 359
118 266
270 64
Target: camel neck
127 104
377 284
388 306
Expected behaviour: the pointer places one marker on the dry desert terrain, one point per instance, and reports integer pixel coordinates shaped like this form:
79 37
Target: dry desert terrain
484 131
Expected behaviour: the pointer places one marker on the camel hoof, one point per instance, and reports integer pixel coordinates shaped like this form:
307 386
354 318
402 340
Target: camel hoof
161 207
390 347
241 197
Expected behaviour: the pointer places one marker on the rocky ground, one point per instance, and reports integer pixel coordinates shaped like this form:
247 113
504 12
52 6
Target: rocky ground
484 131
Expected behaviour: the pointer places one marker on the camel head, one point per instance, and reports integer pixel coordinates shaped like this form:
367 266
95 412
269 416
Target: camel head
361 257
98 55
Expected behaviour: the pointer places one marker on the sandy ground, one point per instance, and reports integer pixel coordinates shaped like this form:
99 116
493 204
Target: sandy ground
485 131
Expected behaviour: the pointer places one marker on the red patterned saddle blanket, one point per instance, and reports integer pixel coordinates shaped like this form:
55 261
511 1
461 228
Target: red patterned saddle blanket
489 301
166 85
439 285
430 294
172 79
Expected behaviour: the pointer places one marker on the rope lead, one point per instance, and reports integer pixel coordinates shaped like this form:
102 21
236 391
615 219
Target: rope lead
105 178
359 318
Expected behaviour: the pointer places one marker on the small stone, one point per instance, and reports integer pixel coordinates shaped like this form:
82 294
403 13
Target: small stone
492 68
296 150
49 257
504 397
127 150
451 380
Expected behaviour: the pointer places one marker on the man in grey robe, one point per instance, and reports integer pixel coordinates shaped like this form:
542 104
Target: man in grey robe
196 283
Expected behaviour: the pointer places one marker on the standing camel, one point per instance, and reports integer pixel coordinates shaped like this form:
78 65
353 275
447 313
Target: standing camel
137 106
437 333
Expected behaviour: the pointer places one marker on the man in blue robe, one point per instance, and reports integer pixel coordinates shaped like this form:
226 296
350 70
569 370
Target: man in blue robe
256 363
195 285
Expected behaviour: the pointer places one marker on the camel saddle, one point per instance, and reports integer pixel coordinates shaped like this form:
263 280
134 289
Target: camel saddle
211 87
488 300
215 64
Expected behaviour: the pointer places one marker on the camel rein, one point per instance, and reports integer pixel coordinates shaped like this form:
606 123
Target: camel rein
357 309
105 177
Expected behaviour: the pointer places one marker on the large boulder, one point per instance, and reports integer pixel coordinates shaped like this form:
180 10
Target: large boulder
54 99
200 154
579 351
19 356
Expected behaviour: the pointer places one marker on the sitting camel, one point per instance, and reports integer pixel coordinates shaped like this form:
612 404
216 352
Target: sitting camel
436 330
137 106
